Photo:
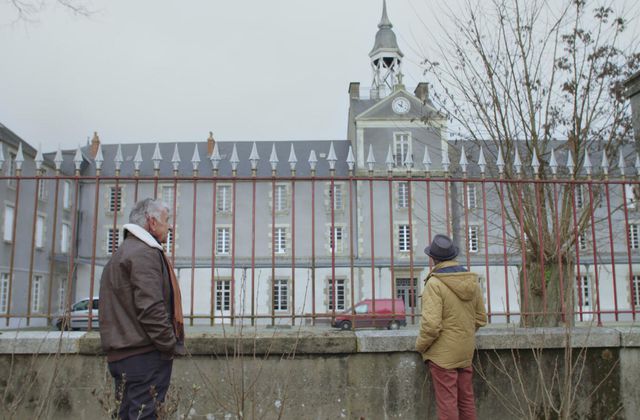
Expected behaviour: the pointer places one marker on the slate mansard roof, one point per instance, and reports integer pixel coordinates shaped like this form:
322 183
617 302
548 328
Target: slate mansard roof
630 159
303 149
186 151
11 139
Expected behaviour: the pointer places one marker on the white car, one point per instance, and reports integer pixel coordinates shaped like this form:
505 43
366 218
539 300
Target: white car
78 317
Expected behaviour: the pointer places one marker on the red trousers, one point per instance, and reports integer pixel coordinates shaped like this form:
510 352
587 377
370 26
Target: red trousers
454 392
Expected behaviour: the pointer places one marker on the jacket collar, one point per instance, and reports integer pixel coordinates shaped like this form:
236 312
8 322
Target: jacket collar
140 233
445 264
439 266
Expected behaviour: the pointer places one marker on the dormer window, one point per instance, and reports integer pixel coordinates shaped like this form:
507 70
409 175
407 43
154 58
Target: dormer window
400 148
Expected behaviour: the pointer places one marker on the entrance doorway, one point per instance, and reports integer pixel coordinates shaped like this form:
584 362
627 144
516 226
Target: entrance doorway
407 290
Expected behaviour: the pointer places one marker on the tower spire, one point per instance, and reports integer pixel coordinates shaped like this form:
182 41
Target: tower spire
384 22
385 57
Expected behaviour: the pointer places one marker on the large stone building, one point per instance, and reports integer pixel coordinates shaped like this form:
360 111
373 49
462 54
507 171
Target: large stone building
278 230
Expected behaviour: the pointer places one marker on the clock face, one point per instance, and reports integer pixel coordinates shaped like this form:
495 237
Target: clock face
401 105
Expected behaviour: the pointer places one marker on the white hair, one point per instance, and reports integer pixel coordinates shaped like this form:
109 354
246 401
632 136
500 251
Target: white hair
147 208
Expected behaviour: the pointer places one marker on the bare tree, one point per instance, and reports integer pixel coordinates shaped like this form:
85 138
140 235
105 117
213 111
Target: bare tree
519 74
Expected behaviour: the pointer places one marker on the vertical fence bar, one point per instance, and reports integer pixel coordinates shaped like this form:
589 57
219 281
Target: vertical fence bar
504 246
576 235
465 203
233 247
626 234
174 213
351 256
595 251
611 250
427 181
155 187
543 277
135 190
273 244
486 245
559 248
13 245
193 248
446 204
253 248
313 247
523 249
391 246
33 250
116 210
72 254
332 239
96 199
293 251
213 282
373 242
412 291
53 248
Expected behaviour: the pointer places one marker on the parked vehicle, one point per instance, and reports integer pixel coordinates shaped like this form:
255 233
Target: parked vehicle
78 316
388 313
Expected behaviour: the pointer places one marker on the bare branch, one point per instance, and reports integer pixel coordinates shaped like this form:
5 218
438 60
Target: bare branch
29 10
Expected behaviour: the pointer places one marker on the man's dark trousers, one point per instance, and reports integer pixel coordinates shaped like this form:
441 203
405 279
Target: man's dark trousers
141 384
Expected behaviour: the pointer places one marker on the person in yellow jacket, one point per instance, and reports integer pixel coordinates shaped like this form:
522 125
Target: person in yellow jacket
452 311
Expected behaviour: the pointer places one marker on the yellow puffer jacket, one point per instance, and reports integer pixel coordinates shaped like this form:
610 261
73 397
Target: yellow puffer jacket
452 311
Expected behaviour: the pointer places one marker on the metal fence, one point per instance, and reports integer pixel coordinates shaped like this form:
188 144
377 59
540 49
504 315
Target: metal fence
309 248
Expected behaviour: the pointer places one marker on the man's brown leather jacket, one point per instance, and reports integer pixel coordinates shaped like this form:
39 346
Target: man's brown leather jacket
136 302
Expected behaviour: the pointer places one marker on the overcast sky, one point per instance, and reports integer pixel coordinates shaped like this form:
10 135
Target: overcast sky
168 70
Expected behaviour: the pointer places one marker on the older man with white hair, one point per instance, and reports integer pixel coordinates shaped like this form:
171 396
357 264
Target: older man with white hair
141 320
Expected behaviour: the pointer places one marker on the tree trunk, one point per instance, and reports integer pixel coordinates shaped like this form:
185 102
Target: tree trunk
550 305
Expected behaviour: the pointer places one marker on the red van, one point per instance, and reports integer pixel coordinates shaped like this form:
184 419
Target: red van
387 313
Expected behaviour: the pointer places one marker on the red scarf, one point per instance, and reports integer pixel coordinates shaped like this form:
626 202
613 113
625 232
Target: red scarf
178 316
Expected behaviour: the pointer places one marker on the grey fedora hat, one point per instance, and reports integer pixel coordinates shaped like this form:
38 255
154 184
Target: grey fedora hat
442 248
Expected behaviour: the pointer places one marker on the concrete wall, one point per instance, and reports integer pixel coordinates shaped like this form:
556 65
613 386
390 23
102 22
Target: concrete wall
324 374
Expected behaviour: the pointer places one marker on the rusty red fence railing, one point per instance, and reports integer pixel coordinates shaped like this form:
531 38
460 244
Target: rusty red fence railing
308 249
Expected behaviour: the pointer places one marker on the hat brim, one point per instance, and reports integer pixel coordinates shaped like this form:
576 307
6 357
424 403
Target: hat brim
454 253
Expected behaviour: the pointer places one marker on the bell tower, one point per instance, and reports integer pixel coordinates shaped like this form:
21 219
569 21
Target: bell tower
386 58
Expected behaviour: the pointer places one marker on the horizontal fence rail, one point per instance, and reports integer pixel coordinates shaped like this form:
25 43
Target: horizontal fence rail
310 249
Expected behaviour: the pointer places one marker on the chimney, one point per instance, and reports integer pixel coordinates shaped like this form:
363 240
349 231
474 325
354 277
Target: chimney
354 90
422 92
210 143
95 142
